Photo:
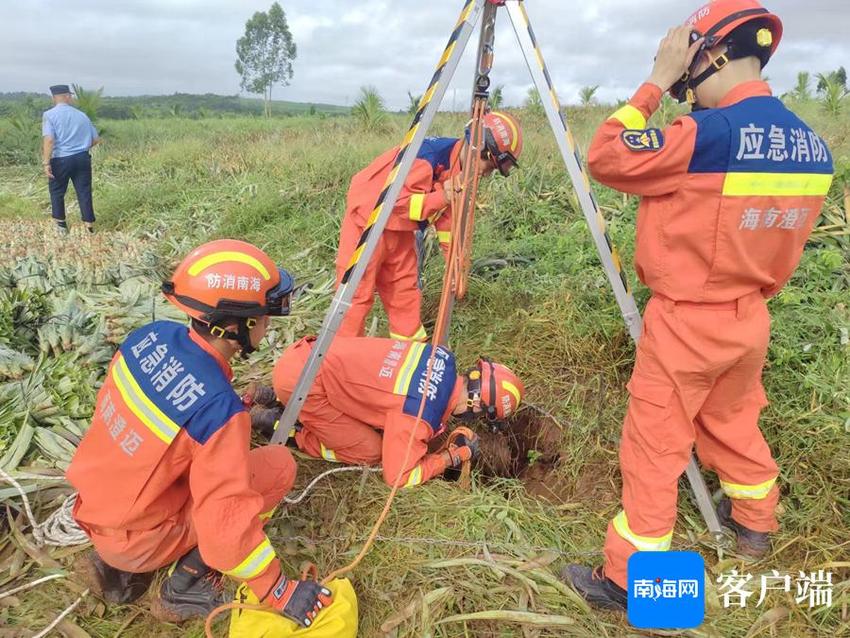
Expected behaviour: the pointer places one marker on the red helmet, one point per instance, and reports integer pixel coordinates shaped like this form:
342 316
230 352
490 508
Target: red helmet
720 21
227 280
502 140
494 389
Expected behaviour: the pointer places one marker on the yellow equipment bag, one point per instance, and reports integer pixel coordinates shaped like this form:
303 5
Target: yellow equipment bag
337 621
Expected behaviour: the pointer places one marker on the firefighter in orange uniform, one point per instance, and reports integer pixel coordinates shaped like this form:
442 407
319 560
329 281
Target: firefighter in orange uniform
729 196
424 199
367 396
165 473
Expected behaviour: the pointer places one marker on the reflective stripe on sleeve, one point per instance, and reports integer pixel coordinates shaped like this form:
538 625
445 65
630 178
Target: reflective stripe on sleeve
630 117
748 492
777 184
444 236
255 563
417 201
415 476
643 543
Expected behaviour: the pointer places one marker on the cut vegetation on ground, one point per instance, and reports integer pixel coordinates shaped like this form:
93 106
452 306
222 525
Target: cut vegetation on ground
448 562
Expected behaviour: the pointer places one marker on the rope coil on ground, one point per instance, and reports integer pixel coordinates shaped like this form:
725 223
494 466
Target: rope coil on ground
59 529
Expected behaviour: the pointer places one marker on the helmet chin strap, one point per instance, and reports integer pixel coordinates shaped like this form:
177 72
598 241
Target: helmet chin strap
242 336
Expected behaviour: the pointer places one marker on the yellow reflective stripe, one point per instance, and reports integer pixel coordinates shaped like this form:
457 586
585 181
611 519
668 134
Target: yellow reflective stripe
143 408
444 236
228 255
630 117
748 492
509 122
328 455
415 477
510 387
417 201
267 515
255 563
776 184
402 383
419 335
643 543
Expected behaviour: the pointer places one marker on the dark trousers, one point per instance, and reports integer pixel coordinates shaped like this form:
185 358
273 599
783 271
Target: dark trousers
76 168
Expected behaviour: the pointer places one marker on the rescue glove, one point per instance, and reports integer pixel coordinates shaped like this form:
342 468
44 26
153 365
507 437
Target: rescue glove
299 600
463 446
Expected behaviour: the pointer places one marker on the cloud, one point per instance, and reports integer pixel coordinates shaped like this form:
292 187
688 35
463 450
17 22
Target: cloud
136 47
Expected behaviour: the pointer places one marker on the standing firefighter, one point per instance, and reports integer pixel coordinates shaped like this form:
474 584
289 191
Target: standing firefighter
165 473
68 136
425 198
365 400
729 196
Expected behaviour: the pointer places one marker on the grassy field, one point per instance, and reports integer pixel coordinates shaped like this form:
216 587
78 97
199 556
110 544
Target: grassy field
165 185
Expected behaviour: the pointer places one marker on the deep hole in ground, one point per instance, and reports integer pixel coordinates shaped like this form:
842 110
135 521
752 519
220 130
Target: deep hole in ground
528 449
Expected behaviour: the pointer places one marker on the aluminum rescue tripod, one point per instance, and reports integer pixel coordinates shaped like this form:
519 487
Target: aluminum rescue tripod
472 11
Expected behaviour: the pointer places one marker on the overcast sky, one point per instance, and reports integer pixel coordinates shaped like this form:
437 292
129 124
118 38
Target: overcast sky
133 47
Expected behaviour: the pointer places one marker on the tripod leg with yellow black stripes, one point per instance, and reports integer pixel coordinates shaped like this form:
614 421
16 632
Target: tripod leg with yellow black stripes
598 228
428 106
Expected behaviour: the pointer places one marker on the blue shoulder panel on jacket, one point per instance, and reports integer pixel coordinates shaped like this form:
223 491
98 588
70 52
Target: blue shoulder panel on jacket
757 135
437 151
441 386
213 416
711 151
179 377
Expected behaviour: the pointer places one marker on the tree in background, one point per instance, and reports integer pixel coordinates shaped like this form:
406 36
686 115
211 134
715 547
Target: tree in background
839 77
497 97
802 92
587 95
413 103
368 110
265 54
88 101
533 104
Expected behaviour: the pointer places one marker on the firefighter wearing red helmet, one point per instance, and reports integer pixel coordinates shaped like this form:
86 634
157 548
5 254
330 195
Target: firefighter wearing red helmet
730 194
424 200
165 474
366 398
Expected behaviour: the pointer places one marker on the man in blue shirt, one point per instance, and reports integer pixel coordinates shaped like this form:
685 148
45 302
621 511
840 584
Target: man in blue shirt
68 136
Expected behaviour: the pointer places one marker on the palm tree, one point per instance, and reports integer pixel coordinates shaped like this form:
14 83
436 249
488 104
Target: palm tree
413 105
533 103
802 91
497 98
587 95
88 101
369 110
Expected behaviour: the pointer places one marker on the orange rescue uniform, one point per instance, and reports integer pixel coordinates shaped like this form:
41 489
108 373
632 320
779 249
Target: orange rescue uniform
729 198
392 270
365 400
166 464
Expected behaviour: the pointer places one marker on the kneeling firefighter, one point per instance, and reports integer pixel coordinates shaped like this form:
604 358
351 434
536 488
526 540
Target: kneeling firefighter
368 393
165 472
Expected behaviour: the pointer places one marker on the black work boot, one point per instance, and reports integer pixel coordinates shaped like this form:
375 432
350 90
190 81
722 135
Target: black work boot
111 584
264 420
191 590
595 588
751 544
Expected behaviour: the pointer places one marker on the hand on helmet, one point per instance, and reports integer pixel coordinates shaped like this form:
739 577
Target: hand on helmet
674 57
299 600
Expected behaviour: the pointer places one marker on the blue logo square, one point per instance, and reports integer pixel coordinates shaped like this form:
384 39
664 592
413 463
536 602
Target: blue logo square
666 590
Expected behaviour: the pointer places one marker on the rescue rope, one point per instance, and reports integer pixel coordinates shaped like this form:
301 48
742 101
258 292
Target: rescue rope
294 500
59 529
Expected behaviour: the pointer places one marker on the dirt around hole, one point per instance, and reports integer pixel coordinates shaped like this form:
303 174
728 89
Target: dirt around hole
528 449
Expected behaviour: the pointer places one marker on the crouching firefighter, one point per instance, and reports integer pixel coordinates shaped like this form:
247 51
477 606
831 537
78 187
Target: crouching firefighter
729 197
424 199
365 400
165 474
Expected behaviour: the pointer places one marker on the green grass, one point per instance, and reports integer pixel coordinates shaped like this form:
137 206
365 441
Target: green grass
550 315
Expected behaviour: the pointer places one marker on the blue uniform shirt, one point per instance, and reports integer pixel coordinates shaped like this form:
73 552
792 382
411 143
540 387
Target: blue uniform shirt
70 128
